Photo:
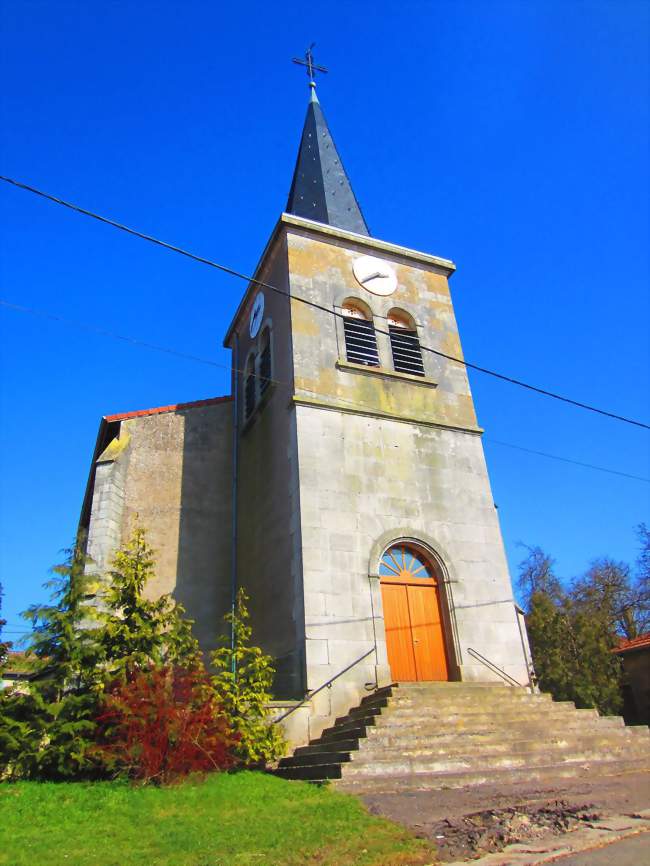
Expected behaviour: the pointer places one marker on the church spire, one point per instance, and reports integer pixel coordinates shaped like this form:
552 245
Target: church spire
320 189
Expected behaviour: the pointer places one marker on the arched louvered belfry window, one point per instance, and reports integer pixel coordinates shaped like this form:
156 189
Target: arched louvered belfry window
250 386
264 370
404 343
360 339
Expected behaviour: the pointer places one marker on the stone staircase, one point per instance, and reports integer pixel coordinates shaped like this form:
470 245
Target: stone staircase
419 736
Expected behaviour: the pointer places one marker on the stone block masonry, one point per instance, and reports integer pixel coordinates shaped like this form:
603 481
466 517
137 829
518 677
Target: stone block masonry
170 470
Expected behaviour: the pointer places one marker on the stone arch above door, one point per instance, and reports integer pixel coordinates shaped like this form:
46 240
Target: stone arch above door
442 574
420 539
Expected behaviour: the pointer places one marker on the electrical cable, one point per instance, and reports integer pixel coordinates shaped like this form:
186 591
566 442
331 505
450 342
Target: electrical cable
84 326
354 403
262 284
566 459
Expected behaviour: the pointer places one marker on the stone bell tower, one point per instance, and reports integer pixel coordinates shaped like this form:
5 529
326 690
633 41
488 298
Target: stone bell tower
366 530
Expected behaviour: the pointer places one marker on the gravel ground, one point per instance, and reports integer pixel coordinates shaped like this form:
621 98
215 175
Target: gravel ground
466 823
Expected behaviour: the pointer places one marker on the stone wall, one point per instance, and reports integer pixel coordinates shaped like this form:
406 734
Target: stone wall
336 462
171 471
385 457
269 561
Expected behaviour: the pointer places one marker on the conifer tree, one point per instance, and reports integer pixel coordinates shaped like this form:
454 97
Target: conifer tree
138 632
82 643
48 729
243 680
572 655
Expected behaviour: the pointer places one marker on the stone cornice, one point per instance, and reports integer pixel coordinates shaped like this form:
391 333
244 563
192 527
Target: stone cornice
445 265
333 406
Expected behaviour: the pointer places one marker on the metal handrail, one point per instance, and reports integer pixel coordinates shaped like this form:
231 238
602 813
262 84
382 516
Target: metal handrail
492 666
325 685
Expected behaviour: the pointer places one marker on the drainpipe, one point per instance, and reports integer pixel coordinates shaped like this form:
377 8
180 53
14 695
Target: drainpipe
235 473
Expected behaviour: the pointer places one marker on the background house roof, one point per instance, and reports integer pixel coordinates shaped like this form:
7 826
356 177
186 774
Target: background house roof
636 643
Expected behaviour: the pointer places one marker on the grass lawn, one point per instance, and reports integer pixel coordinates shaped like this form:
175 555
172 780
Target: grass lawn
244 819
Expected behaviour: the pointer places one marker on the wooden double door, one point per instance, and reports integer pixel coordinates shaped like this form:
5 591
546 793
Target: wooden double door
414 628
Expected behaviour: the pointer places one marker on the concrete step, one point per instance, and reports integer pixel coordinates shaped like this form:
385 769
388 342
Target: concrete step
322 757
472 696
512 754
311 773
435 735
399 765
454 714
360 714
370 750
416 737
343 745
487 723
433 686
461 744
548 774
376 704
384 692
642 731
351 729
462 704
555 714
515 705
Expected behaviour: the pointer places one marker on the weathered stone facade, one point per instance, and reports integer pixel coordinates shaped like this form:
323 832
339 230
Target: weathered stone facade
171 470
297 486
335 462
371 457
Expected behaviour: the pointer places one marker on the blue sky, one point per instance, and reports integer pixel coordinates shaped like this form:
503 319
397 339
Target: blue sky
509 137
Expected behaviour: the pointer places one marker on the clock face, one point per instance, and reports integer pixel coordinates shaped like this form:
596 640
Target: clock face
375 275
257 314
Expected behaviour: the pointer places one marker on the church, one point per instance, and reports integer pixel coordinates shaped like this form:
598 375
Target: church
342 483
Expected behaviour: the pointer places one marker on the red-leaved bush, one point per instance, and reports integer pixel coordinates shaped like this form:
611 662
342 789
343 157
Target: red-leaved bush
162 723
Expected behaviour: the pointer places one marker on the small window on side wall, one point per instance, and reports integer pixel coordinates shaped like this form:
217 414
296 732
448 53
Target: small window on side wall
264 369
404 343
250 387
360 339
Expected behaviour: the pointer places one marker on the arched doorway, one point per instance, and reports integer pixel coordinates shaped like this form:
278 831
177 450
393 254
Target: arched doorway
410 594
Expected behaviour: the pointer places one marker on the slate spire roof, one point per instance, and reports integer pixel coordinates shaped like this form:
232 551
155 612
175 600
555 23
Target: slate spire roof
321 189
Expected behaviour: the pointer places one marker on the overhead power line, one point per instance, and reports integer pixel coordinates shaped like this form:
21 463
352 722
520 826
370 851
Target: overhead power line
227 270
143 344
93 329
566 460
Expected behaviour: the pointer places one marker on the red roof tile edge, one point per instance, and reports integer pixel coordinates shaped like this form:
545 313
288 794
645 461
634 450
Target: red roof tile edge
174 408
625 645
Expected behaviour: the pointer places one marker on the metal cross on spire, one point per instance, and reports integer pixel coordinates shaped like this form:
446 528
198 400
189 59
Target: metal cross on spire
311 66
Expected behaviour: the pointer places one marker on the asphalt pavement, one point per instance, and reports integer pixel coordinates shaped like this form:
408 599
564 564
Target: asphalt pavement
630 851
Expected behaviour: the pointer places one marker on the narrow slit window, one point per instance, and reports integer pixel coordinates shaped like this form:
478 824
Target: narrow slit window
360 339
404 343
250 387
265 362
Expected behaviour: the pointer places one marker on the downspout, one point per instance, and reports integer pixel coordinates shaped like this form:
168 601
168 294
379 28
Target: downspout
235 473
